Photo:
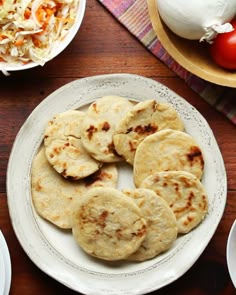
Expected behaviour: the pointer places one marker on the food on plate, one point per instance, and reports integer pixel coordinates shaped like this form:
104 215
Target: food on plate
99 125
167 150
54 197
33 30
197 19
223 49
143 119
184 193
161 223
108 225
63 146
74 178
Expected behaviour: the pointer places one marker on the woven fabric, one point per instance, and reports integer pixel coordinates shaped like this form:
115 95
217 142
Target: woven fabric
133 14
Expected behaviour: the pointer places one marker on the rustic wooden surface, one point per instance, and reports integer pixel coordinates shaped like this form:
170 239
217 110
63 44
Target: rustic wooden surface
104 46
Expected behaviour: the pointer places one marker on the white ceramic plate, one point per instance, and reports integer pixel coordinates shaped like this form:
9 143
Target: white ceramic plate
53 250
231 253
7 265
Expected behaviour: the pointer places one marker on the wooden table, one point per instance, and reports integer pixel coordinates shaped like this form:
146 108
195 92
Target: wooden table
104 46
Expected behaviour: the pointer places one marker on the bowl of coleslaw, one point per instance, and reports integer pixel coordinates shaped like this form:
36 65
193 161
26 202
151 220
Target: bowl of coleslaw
33 32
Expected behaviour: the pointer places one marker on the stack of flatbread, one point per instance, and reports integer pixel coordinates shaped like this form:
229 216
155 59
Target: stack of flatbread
74 178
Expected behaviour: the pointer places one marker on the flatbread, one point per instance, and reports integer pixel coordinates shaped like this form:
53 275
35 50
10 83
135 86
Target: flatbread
185 195
161 224
54 197
100 124
167 150
108 225
146 117
64 148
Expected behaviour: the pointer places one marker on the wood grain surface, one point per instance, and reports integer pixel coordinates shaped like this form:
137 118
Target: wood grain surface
104 46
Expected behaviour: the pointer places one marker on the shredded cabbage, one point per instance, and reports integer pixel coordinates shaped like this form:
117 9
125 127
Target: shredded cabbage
30 30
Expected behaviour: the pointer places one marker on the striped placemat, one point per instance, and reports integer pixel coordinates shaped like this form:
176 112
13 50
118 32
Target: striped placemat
133 14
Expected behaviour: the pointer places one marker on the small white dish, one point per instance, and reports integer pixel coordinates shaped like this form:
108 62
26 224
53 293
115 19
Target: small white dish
231 253
7 265
2 273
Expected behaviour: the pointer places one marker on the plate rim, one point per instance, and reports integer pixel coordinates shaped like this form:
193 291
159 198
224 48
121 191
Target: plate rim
2 273
228 250
88 80
7 263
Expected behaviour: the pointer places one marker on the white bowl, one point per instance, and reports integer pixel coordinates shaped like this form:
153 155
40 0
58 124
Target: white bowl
7 67
231 253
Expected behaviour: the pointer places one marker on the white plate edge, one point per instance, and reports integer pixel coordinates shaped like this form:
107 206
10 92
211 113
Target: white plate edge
7 263
228 250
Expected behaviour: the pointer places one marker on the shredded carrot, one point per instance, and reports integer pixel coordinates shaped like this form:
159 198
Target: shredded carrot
58 5
44 14
40 14
50 11
19 42
37 42
27 13
2 37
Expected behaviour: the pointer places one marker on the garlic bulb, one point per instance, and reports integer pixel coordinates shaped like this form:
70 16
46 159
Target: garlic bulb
197 19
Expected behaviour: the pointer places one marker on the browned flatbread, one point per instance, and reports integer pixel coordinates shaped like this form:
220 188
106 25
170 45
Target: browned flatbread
63 146
167 150
108 225
146 118
99 125
55 197
161 224
185 195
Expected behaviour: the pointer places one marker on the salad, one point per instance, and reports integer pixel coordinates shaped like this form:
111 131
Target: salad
31 30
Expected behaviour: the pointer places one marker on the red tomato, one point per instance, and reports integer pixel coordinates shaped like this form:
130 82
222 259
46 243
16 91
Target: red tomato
223 49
